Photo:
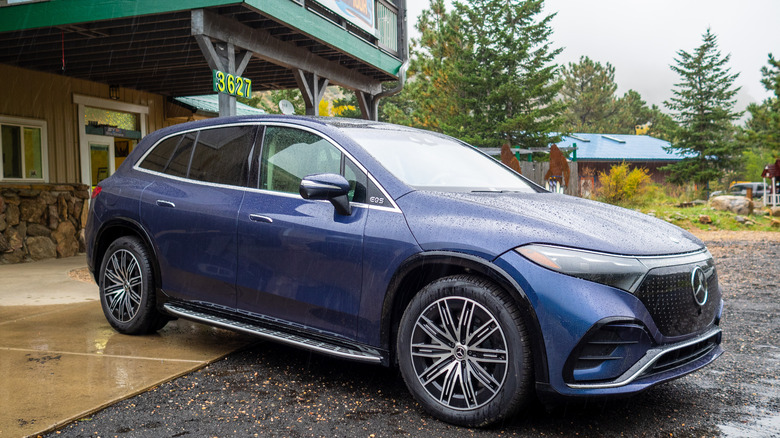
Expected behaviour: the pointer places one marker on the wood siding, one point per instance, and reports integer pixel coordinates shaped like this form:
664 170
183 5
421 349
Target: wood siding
48 97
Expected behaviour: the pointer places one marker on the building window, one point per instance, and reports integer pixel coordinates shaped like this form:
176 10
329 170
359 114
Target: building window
387 23
23 145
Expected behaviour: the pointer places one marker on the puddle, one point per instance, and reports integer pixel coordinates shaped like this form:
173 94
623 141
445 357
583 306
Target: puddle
763 427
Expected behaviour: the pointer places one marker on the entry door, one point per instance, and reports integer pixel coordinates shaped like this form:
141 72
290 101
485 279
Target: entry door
101 157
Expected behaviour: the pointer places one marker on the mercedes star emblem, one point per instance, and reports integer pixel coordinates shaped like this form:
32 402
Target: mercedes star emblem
699 286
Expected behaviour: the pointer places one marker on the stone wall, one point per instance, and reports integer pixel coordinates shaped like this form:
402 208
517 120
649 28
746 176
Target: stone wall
42 221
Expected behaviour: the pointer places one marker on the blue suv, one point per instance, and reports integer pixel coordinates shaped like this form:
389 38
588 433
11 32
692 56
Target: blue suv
396 246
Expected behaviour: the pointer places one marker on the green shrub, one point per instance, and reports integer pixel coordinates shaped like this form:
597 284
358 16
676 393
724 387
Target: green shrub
624 186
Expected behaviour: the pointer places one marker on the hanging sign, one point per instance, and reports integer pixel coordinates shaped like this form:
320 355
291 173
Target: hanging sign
231 84
361 13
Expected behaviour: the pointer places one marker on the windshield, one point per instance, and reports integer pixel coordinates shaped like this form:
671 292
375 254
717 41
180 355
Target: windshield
429 161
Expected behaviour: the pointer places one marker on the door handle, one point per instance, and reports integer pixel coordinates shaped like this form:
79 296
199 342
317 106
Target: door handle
260 218
162 203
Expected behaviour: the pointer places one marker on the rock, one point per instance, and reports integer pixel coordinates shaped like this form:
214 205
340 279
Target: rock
4 245
31 210
12 215
699 202
775 211
82 240
62 207
17 256
735 204
84 214
65 236
740 219
38 230
82 194
704 219
11 198
29 193
48 197
54 219
14 239
2 204
41 248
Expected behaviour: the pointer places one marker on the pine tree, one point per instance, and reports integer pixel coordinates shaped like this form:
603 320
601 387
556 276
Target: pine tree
703 105
589 93
762 130
509 83
430 98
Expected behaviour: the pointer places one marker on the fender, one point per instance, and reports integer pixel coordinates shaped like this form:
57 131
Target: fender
444 263
126 224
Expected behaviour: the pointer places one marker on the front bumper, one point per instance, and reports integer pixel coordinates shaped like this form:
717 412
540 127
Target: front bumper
569 310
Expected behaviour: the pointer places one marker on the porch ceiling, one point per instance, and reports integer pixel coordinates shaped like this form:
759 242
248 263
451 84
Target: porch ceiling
157 52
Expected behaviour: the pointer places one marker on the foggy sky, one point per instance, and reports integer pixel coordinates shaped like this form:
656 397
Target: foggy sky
641 38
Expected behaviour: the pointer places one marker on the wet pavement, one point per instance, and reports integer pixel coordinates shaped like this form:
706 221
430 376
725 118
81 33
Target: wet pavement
273 390
60 360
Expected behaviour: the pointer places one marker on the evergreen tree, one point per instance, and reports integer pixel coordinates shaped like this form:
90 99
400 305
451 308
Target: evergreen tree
508 83
430 98
662 125
589 93
592 106
703 105
762 130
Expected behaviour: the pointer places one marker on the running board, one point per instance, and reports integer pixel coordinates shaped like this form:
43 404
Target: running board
276 335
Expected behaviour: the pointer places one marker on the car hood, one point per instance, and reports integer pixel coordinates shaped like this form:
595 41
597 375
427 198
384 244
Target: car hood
489 224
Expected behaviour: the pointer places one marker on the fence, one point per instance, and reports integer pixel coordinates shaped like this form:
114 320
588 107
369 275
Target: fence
536 171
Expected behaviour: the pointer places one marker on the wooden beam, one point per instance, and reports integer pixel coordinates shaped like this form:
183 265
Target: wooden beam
312 88
265 46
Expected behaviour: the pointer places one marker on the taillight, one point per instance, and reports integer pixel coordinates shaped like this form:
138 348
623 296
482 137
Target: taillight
96 191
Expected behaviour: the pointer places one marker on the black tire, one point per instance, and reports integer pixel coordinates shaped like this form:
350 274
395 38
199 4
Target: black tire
475 369
127 289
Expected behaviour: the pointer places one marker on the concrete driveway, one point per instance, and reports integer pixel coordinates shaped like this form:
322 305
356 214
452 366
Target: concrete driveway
60 360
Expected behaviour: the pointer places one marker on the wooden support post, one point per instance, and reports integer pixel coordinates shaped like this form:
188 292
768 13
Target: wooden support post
312 88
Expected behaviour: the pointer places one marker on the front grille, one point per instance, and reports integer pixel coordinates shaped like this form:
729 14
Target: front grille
668 295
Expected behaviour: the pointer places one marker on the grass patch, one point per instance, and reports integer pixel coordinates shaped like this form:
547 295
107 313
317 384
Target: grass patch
689 218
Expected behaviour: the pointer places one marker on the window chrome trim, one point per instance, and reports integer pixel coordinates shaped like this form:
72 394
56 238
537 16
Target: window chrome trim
394 208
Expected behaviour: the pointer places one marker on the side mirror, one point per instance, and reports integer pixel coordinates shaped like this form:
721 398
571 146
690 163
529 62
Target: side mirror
328 186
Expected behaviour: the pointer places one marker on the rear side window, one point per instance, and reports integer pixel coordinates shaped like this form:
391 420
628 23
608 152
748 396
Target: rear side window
219 155
222 155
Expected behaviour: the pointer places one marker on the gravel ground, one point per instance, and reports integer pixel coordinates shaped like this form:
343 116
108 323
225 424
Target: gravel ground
272 390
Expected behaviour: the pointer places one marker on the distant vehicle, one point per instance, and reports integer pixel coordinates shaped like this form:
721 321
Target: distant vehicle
396 246
740 189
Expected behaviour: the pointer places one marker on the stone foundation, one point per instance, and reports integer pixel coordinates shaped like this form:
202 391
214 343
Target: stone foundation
42 221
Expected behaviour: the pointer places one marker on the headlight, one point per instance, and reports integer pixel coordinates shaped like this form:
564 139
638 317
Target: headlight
622 272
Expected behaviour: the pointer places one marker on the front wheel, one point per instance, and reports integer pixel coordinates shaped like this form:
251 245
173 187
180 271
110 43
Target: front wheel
127 291
463 351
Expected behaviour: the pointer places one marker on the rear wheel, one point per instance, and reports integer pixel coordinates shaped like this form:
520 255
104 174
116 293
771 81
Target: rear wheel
463 351
127 292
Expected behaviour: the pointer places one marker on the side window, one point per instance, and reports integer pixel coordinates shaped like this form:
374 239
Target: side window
291 154
357 182
171 156
222 155
158 158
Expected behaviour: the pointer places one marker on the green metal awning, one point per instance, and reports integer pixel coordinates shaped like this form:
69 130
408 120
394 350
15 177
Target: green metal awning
209 104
